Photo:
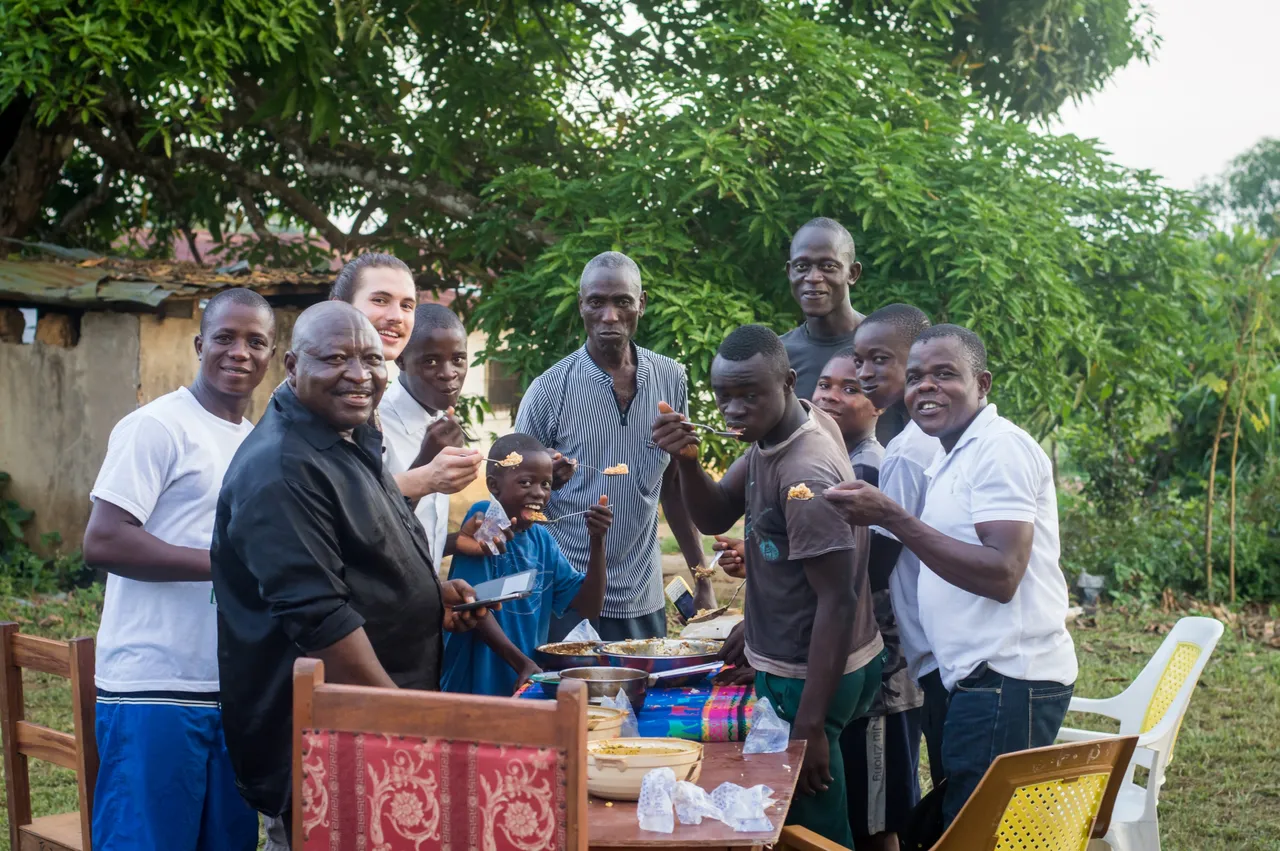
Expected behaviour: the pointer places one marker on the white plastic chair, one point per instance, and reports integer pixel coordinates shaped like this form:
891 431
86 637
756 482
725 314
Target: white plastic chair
1152 707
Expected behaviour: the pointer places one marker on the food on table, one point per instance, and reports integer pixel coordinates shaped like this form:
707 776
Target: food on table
800 491
515 459
571 648
660 647
632 750
616 470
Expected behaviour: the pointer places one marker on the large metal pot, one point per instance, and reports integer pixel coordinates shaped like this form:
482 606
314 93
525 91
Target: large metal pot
657 655
568 654
607 682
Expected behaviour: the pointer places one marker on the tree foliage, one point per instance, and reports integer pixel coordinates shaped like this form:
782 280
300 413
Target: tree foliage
501 144
1249 191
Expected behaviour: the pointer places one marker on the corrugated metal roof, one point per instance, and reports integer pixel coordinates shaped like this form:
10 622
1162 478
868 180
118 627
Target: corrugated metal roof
109 282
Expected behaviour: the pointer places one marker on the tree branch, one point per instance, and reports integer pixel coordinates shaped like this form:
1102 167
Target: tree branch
78 214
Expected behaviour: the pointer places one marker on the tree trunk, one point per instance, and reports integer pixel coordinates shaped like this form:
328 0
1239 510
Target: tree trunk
31 158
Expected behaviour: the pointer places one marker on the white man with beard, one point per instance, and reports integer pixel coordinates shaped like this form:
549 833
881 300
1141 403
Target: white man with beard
316 553
381 286
991 595
165 779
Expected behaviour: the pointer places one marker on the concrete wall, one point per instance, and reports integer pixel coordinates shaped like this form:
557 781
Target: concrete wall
168 356
57 408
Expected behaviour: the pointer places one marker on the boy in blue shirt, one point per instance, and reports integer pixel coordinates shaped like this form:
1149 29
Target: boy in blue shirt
494 659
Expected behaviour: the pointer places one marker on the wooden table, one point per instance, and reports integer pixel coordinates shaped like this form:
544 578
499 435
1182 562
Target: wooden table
618 827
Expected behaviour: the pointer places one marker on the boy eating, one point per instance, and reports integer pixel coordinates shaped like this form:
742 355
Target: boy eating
495 658
810 631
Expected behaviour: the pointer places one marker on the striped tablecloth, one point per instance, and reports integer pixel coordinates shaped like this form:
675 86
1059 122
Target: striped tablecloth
704 713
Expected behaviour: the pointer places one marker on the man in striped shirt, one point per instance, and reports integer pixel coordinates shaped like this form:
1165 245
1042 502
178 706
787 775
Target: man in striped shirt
596 408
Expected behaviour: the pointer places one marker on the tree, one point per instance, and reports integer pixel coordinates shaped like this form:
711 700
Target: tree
1249 191
501 144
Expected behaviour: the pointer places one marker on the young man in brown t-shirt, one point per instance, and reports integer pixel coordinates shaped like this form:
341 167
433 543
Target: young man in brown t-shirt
810 631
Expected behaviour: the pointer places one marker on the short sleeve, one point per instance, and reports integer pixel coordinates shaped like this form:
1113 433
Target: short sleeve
141 455
566 580
1007 480
534 415
284 533
814 527
904 482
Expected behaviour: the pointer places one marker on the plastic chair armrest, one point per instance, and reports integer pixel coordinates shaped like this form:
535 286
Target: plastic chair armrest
1071 734
1108 706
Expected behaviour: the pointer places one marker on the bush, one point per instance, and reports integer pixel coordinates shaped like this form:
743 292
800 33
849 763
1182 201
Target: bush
24 572
1157 541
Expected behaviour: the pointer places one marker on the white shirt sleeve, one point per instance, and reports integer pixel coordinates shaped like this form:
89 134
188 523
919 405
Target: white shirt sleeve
904 482
1006 481
141 455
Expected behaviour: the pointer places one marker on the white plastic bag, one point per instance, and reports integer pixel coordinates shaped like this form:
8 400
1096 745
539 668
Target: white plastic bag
582 632
768 733
654 809
630 727
693 804
743 809
495 523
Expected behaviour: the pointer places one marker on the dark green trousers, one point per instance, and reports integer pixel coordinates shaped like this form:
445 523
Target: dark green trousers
826 813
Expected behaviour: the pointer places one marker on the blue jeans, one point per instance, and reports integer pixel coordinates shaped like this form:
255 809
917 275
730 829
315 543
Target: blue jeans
991 714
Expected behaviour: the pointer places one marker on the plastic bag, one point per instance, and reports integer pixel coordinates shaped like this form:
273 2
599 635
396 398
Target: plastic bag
582 632
494 524
630 727
768 732
693 804
654 809
743 809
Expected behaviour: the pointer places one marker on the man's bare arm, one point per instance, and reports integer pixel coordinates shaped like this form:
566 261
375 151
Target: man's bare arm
116 542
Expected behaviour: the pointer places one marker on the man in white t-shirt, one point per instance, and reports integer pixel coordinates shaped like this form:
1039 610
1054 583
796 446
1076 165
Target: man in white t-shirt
165 780
991 594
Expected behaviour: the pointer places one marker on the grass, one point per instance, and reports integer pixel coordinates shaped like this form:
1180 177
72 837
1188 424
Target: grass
1222 792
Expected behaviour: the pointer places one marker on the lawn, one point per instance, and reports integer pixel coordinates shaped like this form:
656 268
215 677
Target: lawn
1223 788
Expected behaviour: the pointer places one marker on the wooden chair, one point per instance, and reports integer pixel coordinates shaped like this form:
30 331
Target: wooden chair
1045 799
22 739
405 770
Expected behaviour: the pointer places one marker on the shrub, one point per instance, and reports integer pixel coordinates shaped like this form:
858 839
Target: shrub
24 572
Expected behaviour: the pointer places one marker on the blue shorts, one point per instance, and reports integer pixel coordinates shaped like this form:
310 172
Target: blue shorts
164 777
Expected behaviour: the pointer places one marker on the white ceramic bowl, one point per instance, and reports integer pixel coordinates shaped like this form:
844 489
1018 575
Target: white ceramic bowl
604 722
616 767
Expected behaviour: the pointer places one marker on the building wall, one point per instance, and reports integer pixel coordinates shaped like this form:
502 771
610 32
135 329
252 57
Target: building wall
168 356
57 408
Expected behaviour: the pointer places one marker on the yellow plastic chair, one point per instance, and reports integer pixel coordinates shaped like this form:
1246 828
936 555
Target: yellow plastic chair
1152 707
1046 799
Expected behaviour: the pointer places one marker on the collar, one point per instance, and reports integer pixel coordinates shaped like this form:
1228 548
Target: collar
979 424
643 366
316 431
399 403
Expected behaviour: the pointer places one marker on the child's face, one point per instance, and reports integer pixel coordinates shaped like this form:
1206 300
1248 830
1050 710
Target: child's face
434 368
840 395
880 357
751 396
523 489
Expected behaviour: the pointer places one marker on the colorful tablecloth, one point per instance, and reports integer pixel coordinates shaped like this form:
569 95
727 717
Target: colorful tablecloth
704 713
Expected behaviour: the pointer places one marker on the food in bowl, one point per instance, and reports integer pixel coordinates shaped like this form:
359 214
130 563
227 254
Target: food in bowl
617 470
632 750
800 491
660 647
616 767
571 648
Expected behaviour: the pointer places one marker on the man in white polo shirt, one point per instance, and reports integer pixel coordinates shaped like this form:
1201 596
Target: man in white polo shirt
992 596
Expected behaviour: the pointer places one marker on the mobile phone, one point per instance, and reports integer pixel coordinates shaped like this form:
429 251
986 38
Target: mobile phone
678 593
514 587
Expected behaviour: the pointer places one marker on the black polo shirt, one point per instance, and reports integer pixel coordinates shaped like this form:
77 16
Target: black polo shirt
312 541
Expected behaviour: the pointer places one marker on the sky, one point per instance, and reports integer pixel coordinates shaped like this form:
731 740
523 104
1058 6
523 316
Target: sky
1207 95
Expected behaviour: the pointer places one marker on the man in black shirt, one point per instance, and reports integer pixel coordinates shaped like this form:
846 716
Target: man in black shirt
316 553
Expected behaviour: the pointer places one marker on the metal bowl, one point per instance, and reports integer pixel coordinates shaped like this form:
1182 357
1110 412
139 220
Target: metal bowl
653 655
607 682
568 654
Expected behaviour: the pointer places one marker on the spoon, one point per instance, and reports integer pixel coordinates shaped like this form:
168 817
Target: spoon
715 430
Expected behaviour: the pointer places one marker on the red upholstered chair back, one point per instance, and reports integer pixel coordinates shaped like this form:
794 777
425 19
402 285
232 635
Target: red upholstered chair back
386 769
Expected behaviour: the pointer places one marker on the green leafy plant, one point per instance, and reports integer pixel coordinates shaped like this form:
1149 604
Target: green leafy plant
24 572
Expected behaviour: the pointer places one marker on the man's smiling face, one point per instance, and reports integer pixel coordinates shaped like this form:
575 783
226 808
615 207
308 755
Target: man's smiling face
944 393
388 297
821 270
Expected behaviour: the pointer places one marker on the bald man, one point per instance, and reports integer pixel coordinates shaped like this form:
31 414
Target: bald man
316 552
